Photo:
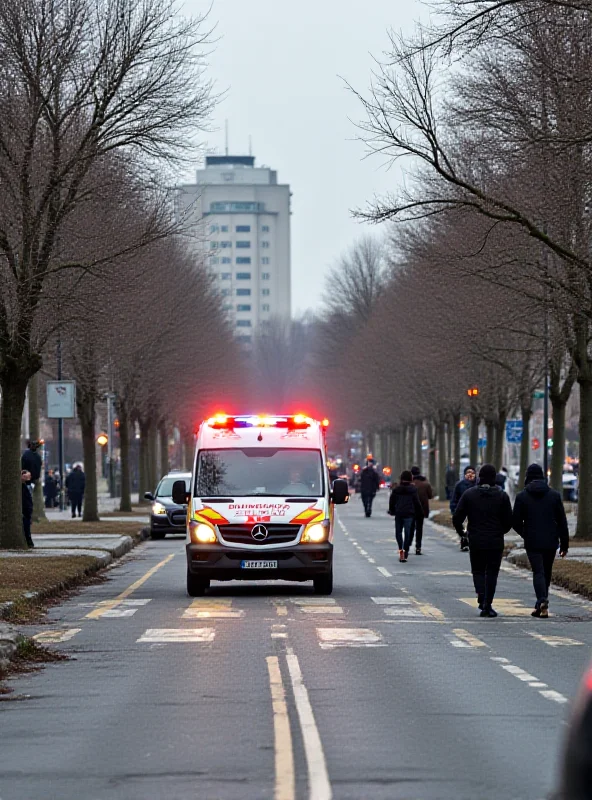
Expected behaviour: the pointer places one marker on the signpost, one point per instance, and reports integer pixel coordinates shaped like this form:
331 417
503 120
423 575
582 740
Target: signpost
61 405
514 431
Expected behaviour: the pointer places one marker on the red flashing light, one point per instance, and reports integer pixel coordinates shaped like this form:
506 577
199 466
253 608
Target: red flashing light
325 422
356 467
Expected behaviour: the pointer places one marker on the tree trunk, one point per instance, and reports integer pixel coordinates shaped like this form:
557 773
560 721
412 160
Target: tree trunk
584 526
144 465
164 449
433 440
456 454
500 434
188 448
474 440
38 501
558 451
525 444
153 456
490 446
86 415
441 485
449 440
418 441
14 389
124 446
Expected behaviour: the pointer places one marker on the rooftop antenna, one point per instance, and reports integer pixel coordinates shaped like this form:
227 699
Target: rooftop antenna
226 135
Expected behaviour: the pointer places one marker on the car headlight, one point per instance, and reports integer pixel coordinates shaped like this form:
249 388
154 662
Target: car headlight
158 508
316 533
201 534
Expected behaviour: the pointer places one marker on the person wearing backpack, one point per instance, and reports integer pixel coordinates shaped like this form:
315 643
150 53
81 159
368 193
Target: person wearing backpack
405 507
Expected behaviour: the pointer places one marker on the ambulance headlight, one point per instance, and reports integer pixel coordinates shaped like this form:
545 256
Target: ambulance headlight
317 533
201 534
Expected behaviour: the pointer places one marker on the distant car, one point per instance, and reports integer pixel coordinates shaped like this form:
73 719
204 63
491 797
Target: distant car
569 482
165 515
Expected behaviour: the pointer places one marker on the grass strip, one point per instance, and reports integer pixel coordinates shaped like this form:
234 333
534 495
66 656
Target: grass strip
575 576
22 575
74 527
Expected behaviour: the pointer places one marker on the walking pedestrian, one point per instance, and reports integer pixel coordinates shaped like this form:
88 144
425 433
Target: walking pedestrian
539 518
425 494
50 489
450 481
405 507
369 485
75 483
468 481
488 512
27 505
31 460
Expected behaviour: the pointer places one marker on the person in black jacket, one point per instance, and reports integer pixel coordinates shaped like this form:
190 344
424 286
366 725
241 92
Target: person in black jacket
405 507
369 485
488 512
75 483
31 460
466 482
539 517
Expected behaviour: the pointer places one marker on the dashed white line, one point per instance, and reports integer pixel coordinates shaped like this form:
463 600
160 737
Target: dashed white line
384 571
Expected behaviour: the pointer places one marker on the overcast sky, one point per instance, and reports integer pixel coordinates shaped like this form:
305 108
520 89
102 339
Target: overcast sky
281 63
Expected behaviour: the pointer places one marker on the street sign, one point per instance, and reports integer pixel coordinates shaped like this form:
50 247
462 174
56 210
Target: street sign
61 399
482 442
538 394
514 431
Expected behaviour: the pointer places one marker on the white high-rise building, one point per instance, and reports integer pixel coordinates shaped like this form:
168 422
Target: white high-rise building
243 217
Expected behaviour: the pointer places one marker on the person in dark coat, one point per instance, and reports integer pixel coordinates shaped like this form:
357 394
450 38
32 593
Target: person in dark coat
31 460
27 505
450 481
50 489
369 485
467 482
539 518
488 512
405 507
425 494
75 483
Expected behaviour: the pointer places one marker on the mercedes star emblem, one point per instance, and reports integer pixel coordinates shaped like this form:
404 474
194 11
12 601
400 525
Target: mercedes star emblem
259 533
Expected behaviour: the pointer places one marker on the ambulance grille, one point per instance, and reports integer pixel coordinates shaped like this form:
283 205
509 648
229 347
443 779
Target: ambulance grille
276 534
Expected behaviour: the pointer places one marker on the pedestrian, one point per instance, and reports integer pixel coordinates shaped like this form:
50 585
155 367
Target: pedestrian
450 480
468 481
31 460
27 505
539 518
369 485
50 489
488 512
425 494
75 483
405 507
501 478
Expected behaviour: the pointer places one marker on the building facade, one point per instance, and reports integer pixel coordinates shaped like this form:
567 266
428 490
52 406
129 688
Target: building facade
241 218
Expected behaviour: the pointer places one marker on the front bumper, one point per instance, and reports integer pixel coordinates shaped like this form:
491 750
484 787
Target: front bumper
161 523
302 562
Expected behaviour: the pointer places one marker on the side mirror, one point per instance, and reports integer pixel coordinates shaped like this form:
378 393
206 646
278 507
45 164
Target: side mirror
180 493
148 496
339 492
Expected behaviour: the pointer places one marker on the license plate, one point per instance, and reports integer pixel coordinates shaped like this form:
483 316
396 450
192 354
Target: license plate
259 564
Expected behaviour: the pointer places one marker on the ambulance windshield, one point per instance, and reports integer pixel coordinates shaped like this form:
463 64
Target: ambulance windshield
268 472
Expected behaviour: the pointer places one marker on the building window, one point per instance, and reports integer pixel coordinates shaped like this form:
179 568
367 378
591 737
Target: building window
227 307
265 307
225 292
243 276
226 260
243 307
213 229
245 339
214 260
264 245
225 276
223 228
243 260
243 229
213 245
265 229
225 244
265 292
265 260
265 276
243 323
242 292
243 244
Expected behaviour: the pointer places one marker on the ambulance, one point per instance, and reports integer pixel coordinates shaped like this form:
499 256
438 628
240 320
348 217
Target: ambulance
260 505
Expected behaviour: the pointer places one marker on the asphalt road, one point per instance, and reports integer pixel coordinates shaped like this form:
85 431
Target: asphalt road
392 688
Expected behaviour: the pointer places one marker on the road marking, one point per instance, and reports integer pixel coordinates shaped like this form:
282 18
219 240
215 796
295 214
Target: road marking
556 641
313 601
519 673
428 610
384 572
393 611
534 683
285 784
167 635
371 560
113 613
281 610
110 604
212 608
506 606
388 601
363 552
550 694
319 787
53 637
322 610
467 638
330 638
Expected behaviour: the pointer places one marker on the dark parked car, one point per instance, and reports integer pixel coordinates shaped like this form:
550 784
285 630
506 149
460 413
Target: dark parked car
165 515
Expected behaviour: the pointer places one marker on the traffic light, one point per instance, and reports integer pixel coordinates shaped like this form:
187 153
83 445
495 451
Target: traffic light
473 391
102 439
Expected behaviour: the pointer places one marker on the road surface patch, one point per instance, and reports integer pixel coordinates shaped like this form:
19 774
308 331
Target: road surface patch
212 608
466 639
331 638
54 637
507 607
168 635
556 641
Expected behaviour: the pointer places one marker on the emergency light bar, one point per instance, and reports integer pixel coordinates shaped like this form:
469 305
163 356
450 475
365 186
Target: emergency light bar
295 422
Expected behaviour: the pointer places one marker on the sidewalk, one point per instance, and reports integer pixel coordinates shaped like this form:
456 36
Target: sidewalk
106 504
